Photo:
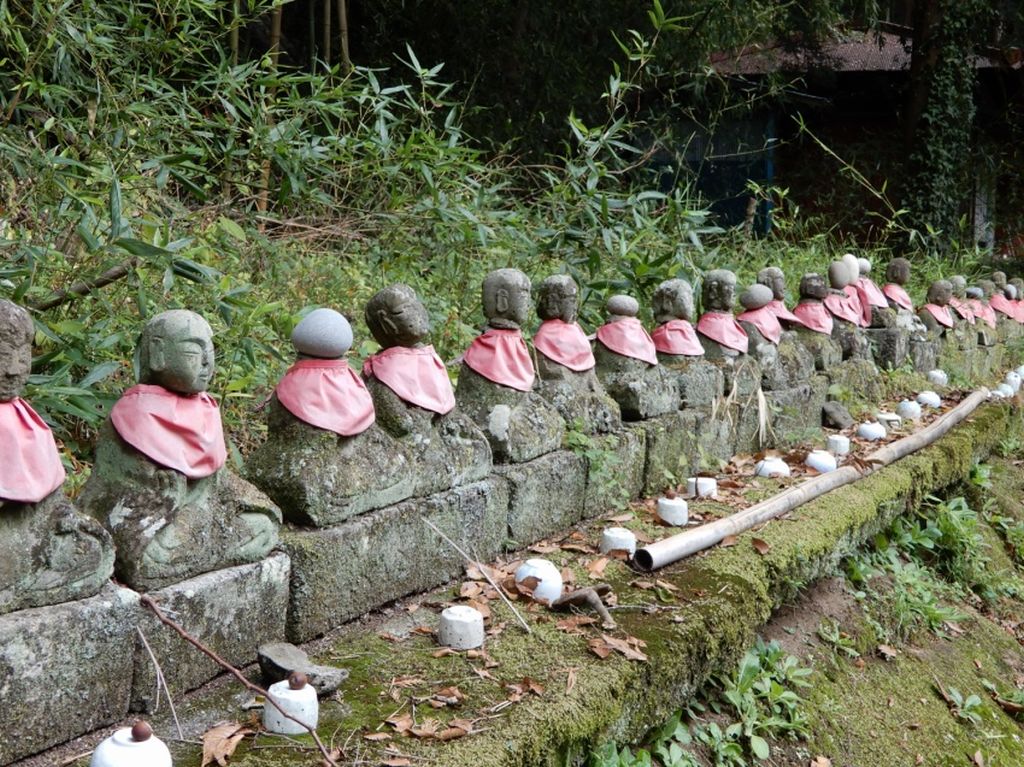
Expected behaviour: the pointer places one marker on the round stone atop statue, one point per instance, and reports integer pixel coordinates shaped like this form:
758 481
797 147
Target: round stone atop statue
756 297
623 334
759 316
323 333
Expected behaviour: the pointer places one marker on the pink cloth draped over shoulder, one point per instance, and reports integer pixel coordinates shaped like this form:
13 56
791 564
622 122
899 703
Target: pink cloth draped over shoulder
723 328
1001 304
963 309
869 294
677 337
327 394
565 343
765 321
500 355
416 374
815 316
941 314
180 432
1019 307
782 313
844 307
629 338
983 311
30 467
899 296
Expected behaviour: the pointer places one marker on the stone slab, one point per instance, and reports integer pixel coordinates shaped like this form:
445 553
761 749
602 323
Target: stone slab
890 347
857 377
65 670
545 495
615 470
796 412
232 611
793 365
341 572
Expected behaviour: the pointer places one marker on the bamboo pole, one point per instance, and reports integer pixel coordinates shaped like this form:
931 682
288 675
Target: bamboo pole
669 550
275 56
346 62
325 54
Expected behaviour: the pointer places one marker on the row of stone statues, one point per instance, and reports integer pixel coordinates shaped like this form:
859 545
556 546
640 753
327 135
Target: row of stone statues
341 443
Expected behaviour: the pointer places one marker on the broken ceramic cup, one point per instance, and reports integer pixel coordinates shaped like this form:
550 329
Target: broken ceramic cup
838 444
821 461
132 747
772 466
928 398
618 539
909 409
548 577
872 430
673 511
938 377
297 698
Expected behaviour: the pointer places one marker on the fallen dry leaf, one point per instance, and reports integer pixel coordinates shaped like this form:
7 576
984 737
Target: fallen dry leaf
572 624
482 673
979 759
596 568
760 546
443 652
599 647
221 740
887 652
821 761
729 540
570 680
397 761
629 647
377 736
402 724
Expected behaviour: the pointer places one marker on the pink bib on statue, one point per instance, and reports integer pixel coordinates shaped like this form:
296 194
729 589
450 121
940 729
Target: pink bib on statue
899 296
941 314
844 307
30 467
869 294
677 337
327 394
983 310
565 343
1002 304
1018 307
782 313
765 321
628 338
814 316
180 432
963 309
723 328
416 374
500 355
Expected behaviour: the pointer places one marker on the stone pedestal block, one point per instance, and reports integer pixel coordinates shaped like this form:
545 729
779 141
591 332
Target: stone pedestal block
742 375
794 365
231 611
796 412
615 469
823 348
582 402
344 571
890 347
680 443
700 382
858 377
65 670
851 340
545 495
643 391
924 353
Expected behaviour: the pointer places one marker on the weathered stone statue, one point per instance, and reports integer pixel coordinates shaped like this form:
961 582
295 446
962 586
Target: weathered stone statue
325 458
627 364
159 484
720 334
898 274
49 553
785 362
565 360
844 305
958 301
935 313
497 376
760 324
413 396
679 349
773 278
875 312
1017 284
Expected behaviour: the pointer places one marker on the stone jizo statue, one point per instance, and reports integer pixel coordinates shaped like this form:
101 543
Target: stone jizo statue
159 484
935 313
811 309
623 333
842 301
721 335
898 274
874 305
958 301
758 317
48 552
774 278
998 299
674 311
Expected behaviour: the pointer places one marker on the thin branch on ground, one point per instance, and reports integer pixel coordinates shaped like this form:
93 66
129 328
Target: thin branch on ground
161 682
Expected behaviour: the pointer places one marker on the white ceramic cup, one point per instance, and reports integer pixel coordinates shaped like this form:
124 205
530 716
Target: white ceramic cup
461 628
301 703
821 461
549 577
674 511
618 539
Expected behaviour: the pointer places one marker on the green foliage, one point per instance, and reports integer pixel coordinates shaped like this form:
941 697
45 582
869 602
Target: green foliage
962 708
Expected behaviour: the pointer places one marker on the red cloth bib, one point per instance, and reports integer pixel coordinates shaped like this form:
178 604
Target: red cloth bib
815 316
963 309
782 313
327 394
983 310
844 307
899 296
1002 304
500 355
677 337
180 432
869 294
30 467
1019 310
628 338
416 374
565 343
765 321
941 314
723 328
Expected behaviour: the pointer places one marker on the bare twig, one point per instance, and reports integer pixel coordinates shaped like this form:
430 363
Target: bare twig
161 681
483 569
147 601
85 287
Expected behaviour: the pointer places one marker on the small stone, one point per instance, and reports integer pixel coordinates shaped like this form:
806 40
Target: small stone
297 680
278 661
756 296
623 306
323 333
836 416
141 731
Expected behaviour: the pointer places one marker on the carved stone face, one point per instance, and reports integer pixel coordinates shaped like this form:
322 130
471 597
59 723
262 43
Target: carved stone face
396 317
16 333
673 299
557 298
506 298
773 278
999 278
813 287
898 271
987 287
959 285
176 352
719 291
940 292
1018 283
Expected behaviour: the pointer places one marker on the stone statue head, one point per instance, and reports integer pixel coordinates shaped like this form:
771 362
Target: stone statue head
898 271
1018 283
959 284
558 298
621 307
673 300
322 334
840 274
506 298
852 266
988 288
397 317
1010 291
772 277
940 292
756 296
175 351
719 290
999 278
16 334
813 287
863 267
